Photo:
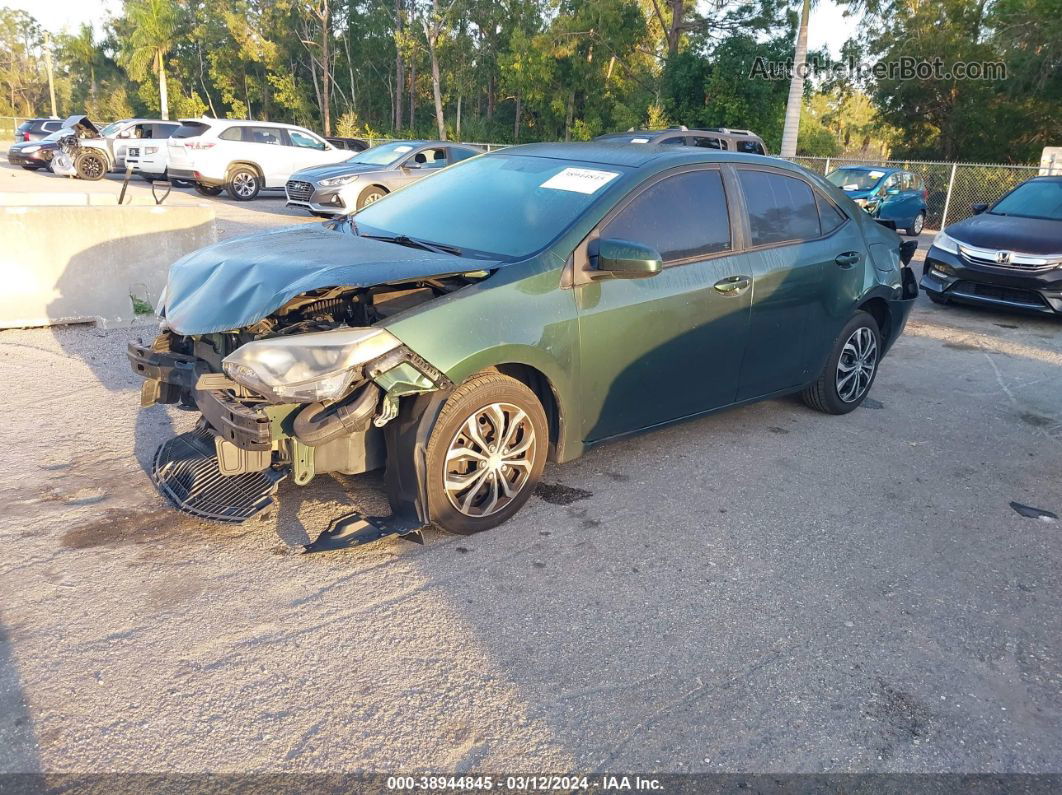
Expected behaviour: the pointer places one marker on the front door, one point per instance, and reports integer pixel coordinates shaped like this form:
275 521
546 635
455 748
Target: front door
666 346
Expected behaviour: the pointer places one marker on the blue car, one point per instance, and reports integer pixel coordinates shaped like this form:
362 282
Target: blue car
890 194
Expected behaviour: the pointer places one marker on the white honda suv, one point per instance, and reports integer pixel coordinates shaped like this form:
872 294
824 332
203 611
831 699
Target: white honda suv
244 157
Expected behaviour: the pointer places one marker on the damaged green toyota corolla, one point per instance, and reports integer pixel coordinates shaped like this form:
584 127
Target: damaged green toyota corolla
518 306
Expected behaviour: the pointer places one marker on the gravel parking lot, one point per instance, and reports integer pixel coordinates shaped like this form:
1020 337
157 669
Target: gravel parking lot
766 589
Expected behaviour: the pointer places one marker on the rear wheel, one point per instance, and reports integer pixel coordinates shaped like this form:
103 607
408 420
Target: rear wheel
244 183
915 229
206 190
850 370
32 168
91 166
371 194
486 453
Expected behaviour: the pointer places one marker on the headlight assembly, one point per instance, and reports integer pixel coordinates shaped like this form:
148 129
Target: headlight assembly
946 243
307 368
333 182
29 150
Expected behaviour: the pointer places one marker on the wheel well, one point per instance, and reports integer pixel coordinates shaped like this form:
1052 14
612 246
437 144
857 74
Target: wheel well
879 310
376 185
537 382
233 166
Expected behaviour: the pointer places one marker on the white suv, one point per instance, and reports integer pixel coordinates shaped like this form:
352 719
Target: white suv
244 157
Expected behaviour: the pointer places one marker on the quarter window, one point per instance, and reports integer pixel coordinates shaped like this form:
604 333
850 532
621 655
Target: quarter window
750 147
708 143
681 216
231 134
781 208
829 216
457 153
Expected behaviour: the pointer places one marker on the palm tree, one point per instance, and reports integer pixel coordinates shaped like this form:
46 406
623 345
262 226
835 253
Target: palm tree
154 23
81 50
796 87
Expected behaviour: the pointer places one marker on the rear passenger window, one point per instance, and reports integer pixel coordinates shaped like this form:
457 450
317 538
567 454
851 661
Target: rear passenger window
263 135
680 141
457 154
707 143
780 208
681 216
750 147
829 216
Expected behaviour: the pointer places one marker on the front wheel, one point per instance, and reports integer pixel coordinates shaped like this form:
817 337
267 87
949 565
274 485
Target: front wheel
244 184
850 370
206 190
32 168
370 195
915 229
91 166
486 453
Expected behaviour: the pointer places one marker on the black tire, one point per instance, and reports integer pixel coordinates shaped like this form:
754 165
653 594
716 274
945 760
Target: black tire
919 224
244 183
476 395
371 194
207 190
32 168
91 166
823 395
936 298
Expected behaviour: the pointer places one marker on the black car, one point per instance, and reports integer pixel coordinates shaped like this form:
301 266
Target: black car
36 129
1005 255
353 144
32 155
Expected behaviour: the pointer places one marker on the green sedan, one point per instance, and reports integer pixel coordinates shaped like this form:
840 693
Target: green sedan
517 307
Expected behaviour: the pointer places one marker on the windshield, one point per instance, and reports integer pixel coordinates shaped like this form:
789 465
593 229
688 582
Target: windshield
111 128
1035 199
503 205
855 178
382 155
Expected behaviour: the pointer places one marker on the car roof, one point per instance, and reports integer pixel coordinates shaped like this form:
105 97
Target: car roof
243 123
638 155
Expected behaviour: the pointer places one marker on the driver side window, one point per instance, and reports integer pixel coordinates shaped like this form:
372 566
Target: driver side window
305 141
683 216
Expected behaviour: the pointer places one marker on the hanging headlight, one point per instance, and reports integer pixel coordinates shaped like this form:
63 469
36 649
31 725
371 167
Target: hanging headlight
307 368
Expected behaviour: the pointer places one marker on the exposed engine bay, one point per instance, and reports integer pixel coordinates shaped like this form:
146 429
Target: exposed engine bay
306 390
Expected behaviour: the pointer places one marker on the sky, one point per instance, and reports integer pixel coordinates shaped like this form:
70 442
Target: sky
827 25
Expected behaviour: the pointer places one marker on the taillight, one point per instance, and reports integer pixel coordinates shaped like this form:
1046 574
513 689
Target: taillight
25 136
200 145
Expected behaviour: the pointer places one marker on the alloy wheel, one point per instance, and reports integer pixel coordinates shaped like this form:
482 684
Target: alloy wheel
373 197
919 222
489 460
244 184
855 368
92 167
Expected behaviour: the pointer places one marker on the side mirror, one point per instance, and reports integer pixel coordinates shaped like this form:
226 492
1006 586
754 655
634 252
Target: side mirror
623 259
978 208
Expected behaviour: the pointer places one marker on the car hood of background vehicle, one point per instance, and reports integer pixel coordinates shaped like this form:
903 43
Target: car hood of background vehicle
859 194
238 282
317 173
1009 233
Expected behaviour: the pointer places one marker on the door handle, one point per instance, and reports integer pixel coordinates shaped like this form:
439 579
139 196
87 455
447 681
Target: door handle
733 284
848 259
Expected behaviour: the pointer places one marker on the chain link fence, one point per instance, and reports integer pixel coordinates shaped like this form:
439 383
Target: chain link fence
951 187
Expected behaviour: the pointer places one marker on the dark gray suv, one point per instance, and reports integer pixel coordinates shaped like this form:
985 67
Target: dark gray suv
37 129
722 138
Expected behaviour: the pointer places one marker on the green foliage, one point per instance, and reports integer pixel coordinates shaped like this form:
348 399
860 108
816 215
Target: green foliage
524 70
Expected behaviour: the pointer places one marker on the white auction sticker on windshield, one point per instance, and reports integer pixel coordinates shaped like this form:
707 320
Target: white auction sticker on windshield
853 186
580 180
639 140
403 149
877 174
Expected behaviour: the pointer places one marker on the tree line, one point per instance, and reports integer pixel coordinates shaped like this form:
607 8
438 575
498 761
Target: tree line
525 70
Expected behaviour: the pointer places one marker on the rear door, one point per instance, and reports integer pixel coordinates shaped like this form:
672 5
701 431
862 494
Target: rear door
791 257
670 345
267 147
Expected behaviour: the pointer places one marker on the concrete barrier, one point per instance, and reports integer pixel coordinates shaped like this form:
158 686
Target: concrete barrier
77 264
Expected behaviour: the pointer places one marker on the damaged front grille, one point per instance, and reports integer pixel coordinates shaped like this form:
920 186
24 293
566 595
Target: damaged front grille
186 472
298 190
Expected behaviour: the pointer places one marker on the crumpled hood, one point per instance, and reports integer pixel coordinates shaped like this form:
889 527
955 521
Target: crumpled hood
317 173
1038 236
238 282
